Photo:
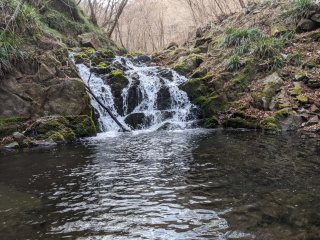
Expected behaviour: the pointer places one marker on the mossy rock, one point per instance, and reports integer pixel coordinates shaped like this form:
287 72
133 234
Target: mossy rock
302 99
69 127
9 125
56 137
239 122
211 122
82 126
282 113
188 64
80 57
118 80
210 105
107 53
197 87
134 54
271 124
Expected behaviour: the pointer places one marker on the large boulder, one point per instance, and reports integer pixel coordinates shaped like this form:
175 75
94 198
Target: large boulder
90 40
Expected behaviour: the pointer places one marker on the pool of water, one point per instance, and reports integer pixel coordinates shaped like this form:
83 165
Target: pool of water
192 184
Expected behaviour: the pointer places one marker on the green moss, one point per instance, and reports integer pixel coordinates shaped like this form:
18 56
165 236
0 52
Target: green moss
302 98
181 67
271 123
11 124
212 122
107 53
282 113
188 64
56 137
80 57
296 90
82 126
196 88
103 65
134 54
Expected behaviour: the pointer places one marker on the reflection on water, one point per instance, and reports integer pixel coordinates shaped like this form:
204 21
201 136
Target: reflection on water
165 185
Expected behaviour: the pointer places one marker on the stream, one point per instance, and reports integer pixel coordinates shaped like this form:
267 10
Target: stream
191 184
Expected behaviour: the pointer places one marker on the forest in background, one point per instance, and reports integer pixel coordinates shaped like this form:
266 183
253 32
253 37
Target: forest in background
150 25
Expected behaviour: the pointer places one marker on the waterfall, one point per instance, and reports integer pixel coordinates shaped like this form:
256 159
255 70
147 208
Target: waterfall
150 100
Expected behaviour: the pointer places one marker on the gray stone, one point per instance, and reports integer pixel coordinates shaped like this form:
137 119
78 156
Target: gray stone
306 25
19 137
90 40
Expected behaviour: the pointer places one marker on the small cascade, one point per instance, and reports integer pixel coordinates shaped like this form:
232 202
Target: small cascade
150 97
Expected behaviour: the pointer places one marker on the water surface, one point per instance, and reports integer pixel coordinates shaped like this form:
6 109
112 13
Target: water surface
191 184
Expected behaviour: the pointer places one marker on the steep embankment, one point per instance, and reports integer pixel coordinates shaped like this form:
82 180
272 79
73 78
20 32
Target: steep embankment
259 69
40 91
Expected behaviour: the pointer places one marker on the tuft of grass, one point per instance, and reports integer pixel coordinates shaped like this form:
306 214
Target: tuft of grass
268 47
233 63
277 63
236 37
303 5
10 52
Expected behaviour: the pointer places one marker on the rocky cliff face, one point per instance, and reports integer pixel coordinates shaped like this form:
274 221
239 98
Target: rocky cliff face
37 78
259 69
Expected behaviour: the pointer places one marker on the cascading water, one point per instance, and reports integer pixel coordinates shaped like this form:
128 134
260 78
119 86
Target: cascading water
151 99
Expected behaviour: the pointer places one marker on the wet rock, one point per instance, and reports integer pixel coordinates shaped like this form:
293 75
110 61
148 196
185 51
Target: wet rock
90 40
166 73
306 25
137 120
163 98
117 82
134 96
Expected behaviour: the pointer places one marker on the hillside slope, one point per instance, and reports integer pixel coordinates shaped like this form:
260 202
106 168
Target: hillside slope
259 69
39 85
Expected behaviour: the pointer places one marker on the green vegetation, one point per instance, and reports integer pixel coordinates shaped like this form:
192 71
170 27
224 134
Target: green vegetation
233 63
236 37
